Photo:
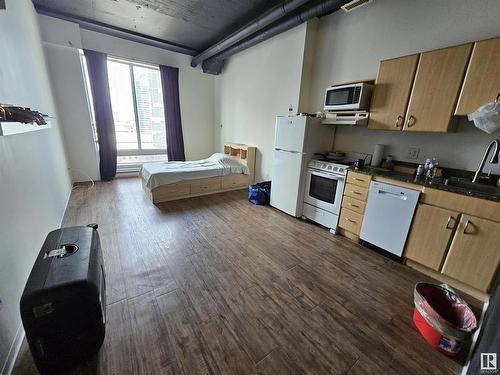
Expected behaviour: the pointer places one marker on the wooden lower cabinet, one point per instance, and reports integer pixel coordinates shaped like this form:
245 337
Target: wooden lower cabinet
354 204
430 235
359 179
350 221
474 252
356 192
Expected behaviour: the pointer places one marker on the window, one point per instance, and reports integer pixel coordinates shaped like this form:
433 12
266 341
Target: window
137 103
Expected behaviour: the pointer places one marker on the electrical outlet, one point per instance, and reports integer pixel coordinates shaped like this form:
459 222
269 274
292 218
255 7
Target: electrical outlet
413 152
1 304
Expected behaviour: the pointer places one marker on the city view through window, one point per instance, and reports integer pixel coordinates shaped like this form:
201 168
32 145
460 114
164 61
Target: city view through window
137 103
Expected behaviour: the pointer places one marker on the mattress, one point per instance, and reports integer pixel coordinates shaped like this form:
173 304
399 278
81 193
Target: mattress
165 173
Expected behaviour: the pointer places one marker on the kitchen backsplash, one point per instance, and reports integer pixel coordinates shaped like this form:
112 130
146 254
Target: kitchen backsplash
461 150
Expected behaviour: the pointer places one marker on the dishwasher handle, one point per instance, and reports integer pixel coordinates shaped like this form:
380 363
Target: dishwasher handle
390 194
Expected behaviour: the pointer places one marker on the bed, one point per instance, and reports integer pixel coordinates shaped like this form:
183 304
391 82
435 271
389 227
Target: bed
232 170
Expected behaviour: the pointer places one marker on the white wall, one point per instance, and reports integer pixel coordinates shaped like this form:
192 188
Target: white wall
350 45
34 181
196 89
257 85
65 70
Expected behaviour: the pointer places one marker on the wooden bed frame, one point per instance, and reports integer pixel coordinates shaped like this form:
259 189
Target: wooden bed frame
211 185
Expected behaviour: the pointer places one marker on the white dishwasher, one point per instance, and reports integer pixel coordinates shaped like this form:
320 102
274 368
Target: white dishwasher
388 216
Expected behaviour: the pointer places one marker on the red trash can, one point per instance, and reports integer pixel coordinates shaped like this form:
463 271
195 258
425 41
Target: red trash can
442 317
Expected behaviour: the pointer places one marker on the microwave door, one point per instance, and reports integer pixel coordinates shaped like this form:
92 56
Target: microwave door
339 96
342 98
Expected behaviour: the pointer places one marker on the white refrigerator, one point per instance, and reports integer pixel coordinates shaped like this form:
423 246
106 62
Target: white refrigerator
296 139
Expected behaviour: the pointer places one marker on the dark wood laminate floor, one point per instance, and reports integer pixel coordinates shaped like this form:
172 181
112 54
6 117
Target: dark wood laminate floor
215 285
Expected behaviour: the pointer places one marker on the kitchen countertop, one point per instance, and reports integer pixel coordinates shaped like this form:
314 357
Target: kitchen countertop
435 183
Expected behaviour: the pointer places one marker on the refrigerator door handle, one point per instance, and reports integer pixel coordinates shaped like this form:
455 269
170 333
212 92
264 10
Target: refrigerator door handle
293 152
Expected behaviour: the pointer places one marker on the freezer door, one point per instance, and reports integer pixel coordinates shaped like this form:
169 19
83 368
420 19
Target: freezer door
290 133
287 182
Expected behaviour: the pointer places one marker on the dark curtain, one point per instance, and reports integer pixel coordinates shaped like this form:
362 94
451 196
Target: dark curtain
97 66
171 104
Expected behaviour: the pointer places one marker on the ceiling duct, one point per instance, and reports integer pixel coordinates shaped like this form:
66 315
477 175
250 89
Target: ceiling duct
355 4
214 64
251 28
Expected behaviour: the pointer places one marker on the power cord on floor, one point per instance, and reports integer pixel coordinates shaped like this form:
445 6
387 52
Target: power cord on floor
86 175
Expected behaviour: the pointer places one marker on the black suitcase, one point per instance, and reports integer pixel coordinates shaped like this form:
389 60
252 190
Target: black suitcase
63 306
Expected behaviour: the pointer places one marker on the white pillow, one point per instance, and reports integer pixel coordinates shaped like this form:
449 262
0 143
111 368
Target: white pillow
227 161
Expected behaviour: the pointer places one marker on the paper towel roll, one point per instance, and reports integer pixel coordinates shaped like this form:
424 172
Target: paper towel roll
378 152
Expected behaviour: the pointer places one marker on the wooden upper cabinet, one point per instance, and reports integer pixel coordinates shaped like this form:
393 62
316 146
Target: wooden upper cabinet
482 80
436 87
392 92
430 235
474 252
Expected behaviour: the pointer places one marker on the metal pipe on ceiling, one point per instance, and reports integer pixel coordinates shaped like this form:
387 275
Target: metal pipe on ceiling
214 64
251 28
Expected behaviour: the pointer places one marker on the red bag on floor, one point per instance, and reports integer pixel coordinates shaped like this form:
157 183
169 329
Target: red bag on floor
442 317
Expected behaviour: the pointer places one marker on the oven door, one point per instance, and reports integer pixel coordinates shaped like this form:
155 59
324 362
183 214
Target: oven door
324 190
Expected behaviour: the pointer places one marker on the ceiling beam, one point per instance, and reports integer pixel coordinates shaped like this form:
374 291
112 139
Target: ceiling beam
118 32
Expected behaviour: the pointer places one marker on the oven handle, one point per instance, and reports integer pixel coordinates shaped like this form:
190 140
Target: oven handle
331 176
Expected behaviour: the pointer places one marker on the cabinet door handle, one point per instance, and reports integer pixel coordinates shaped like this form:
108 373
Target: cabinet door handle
353 205
358 179
411 121
352 221
465 226
399 121
355 192
448 223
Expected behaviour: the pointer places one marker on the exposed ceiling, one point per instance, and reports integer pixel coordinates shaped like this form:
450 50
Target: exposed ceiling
192 24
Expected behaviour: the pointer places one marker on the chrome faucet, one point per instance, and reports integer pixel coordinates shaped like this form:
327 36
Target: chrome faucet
493 160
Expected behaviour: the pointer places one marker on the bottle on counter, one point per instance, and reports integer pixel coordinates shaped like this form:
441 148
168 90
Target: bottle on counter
420 170
426 165
432 169
388 163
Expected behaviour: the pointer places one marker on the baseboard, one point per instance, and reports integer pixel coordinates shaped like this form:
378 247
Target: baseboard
13 351
127 173
65 208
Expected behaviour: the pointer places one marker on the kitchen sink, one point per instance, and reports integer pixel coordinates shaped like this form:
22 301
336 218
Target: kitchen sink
474 187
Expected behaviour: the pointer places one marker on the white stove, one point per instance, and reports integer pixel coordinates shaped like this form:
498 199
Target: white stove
323 192
328 166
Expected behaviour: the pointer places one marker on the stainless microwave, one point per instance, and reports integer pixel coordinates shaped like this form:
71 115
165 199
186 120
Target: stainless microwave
351 97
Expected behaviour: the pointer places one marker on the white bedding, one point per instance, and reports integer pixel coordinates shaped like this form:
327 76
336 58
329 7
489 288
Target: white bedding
169 172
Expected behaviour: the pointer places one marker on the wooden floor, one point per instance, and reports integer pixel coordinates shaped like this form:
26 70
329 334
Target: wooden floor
215 285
